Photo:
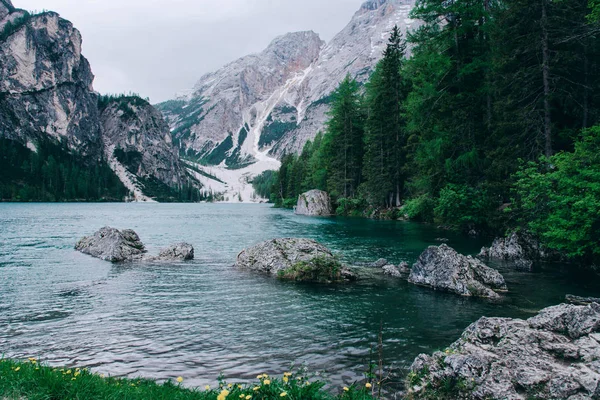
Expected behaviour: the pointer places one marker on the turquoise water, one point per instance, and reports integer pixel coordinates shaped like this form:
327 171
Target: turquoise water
203 318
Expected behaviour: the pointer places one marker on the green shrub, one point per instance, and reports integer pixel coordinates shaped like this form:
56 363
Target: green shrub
559 199
420 208
464 207
351 206
319 269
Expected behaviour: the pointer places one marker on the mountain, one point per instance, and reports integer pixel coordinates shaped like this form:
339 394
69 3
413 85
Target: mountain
252 111
48 107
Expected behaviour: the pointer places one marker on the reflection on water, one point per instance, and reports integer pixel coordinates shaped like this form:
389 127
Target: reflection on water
204 317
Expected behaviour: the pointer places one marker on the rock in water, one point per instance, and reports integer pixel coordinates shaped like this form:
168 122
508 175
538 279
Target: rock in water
443 268
281 257
518 249
315 203
581 301
112 245
554 355
392 270
176 252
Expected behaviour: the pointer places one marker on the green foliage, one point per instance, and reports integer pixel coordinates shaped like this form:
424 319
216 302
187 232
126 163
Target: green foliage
559 199
124 102
53 173
274 131
420 208
219 154
463 206
319 269
263 184
164 193
31 380
594 6
353 207
12 27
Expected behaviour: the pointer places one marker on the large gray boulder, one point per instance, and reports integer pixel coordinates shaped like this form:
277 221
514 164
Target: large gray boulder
116 246
112 245
554 355
282 257
520 250
443 268
315 203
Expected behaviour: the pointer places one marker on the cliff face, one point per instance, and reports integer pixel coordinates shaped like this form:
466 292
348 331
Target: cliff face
45 83
46 94
138 145
278 99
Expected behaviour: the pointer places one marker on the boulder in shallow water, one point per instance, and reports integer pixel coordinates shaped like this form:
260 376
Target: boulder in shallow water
176 252
382 262
315 203
392 270
292 258
554 355
443 268
518 249
112 245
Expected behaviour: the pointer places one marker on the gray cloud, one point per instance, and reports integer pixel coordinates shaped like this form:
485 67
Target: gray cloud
159 47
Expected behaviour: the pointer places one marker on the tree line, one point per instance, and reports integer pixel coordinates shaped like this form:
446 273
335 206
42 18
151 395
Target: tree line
489 124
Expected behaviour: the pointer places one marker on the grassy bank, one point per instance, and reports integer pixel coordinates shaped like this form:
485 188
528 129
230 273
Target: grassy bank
32 381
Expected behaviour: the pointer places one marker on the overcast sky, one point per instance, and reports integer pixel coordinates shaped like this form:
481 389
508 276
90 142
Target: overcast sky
160 47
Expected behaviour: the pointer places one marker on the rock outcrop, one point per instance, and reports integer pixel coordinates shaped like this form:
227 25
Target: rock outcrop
139 147
581 301
284 256
315 203
554 355
518 249
110 244
442 268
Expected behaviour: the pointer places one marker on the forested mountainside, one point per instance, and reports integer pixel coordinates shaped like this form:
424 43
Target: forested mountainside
55 139
491 125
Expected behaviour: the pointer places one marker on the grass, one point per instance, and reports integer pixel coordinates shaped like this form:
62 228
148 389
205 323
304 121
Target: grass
33 381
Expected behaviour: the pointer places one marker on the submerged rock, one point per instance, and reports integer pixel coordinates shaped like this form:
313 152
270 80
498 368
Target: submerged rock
554 355
392 270
176 252
315 203
444 269
518 249
298 259
113 245
581 301
382 262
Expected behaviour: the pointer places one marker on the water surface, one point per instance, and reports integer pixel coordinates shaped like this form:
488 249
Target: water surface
202 318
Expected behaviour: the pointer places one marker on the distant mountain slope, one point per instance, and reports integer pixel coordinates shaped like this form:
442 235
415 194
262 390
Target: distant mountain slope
277 100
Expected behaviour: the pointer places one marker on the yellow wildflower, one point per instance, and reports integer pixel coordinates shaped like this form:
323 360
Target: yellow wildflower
207 387
266 382
287 374
179 379
17 369
346 389
230 385
283 394
76 374
248 397
368 385
31 359
256 388
223 395
242 396
68 372
101 375
239 386
285 379
259 377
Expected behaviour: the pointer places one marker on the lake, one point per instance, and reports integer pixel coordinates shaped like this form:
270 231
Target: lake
202 318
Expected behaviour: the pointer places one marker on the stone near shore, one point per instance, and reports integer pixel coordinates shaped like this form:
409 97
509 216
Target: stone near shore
518 249
110 244
581 301
315 203
442 268
280 256
554 355
113 245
